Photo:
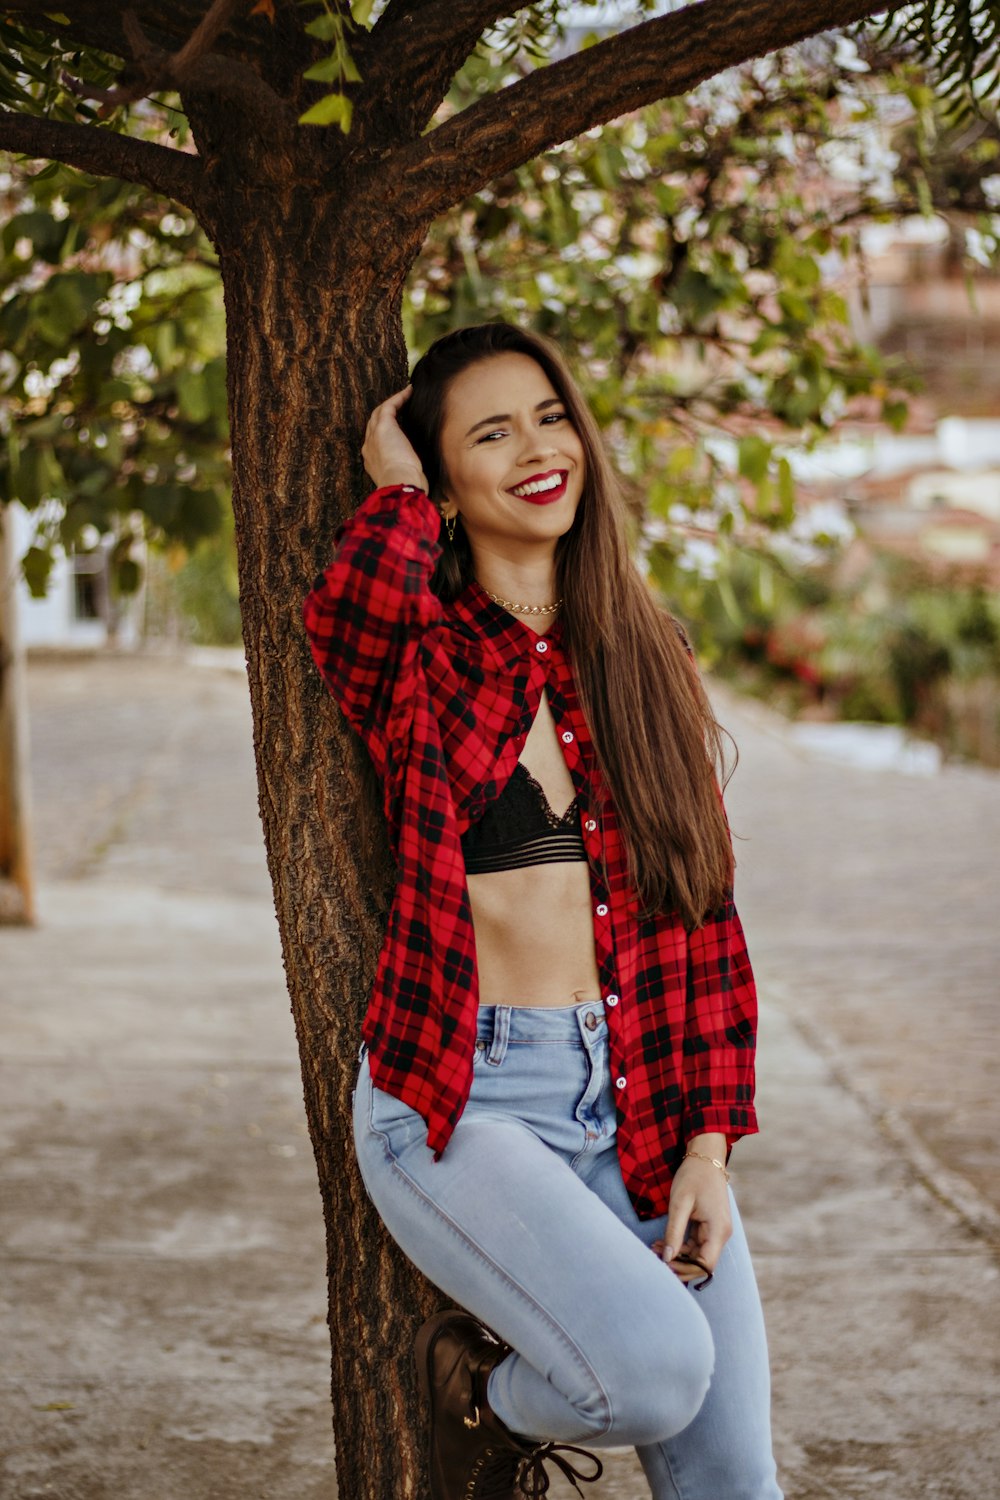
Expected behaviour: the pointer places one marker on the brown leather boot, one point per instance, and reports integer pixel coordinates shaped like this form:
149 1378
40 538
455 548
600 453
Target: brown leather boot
472 1455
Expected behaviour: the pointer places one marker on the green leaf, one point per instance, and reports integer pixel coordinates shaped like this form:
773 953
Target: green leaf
333 109
163 344
695 293
113 390
361 11
36 565
349 67
327 70
326 27
669 198
771 336
47 235
798 269
895 413
193 396
65 303
833 306
729 601
680 460
127 576
38 476
754 458
795 307
786 491
764 507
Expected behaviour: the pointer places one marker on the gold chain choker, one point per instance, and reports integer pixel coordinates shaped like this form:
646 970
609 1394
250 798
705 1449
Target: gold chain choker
524 609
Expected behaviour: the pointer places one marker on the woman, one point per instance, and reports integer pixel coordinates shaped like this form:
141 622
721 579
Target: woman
559 1044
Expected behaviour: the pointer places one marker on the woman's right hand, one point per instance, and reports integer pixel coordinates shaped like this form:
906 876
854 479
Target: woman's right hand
387 451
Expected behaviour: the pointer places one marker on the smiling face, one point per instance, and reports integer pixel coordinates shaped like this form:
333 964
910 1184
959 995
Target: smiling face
512 460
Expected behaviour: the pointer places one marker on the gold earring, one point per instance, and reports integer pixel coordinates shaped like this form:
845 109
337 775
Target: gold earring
449 525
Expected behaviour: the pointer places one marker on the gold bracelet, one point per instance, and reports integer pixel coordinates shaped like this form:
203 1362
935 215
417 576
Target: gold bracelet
713 1159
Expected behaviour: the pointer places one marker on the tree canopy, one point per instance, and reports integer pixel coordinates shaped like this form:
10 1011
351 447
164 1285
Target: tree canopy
688 252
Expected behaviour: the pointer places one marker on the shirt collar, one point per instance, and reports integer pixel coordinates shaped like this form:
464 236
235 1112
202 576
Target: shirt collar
512 639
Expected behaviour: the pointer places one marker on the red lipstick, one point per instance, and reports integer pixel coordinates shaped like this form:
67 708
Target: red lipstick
545 497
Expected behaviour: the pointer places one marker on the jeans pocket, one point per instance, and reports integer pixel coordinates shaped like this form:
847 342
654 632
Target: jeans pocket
385 1109
397 1123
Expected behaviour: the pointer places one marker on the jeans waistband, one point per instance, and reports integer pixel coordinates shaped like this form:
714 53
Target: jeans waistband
499 1026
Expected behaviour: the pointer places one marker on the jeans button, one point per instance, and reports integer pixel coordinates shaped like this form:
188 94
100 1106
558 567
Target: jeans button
590 1021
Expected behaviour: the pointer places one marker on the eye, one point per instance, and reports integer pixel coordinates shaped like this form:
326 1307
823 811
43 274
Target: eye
499 432
554 416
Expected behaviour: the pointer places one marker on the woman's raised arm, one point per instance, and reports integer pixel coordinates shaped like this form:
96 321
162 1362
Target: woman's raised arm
389 456
365 614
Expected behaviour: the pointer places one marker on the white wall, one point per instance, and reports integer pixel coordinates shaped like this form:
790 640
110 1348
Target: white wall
52 621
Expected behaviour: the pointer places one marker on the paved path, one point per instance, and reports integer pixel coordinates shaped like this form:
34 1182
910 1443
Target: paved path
162 1295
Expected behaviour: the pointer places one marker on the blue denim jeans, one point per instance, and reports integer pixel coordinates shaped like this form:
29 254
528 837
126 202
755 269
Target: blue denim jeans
526 1223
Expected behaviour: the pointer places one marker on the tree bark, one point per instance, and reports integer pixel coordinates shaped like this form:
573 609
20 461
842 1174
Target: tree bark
17 890
316 339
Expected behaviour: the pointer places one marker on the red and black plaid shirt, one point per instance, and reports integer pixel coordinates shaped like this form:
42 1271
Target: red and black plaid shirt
443 696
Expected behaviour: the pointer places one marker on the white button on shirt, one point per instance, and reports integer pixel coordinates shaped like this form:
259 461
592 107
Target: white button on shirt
619 1083
611 999
567 737
541 647
602 910
590 825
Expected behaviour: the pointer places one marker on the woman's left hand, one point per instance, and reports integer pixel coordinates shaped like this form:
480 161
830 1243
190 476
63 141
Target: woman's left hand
700 1221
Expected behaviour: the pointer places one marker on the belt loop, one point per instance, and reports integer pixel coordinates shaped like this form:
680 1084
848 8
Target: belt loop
501 1035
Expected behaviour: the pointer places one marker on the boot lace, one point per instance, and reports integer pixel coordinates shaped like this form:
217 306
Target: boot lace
534 1479
494 1475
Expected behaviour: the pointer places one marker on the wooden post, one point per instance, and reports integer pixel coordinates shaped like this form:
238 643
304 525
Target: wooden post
17 894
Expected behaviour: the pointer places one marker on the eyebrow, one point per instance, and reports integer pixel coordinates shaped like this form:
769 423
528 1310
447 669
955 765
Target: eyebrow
505 416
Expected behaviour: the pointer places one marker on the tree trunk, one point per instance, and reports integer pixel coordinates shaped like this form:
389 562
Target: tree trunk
17 892
313 304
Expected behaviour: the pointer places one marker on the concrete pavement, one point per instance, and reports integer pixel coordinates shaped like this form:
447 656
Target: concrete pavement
162 1297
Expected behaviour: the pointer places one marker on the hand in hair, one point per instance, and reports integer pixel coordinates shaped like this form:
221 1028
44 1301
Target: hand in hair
388 454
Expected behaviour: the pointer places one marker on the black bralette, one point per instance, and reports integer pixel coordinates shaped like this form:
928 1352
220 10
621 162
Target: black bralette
519 828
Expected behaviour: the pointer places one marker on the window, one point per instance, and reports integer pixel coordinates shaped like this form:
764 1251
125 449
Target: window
90 591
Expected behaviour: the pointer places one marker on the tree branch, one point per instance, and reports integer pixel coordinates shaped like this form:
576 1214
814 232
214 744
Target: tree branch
205 34
105 153
655 60
100 23
193 66
275 50
412 54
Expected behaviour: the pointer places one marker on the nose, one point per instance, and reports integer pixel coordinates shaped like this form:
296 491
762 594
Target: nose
536 443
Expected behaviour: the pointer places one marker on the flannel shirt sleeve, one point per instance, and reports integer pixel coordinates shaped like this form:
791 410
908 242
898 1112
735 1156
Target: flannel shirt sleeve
720 1032
365 615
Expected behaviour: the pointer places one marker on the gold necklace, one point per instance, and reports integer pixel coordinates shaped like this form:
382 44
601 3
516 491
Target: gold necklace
523 609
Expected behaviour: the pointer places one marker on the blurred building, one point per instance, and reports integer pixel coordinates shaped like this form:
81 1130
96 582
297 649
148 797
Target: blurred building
947 518
920 302
932 492
79 609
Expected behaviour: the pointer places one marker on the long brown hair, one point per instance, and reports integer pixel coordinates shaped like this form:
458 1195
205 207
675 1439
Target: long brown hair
658 750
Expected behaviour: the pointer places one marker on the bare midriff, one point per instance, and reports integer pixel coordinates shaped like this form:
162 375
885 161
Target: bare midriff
534 926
